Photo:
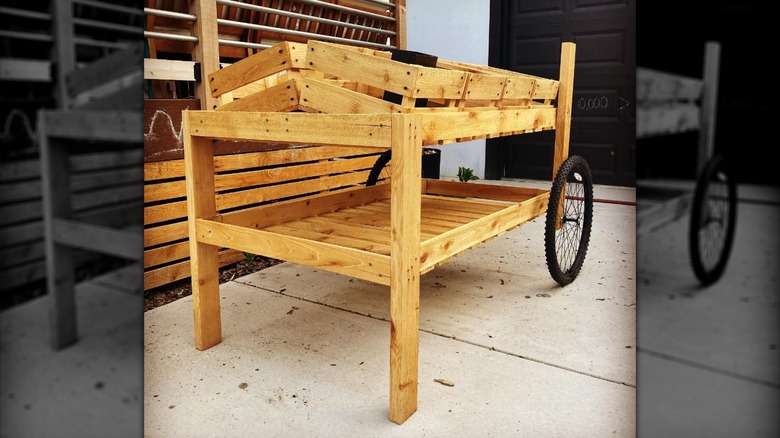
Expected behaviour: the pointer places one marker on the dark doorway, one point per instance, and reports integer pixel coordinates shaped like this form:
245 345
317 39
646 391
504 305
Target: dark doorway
526 36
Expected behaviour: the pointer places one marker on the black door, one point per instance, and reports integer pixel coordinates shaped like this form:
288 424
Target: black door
526 36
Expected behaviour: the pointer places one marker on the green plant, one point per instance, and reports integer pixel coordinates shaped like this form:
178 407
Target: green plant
465 174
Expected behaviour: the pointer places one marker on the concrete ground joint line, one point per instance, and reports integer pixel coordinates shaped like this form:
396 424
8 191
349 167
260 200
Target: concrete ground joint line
464 341
706 367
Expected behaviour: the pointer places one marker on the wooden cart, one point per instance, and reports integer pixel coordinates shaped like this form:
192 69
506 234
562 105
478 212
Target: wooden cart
670 104
334 97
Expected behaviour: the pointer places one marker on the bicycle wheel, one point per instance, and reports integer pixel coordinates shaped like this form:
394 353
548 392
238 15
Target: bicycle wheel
569 220
380 171
713 221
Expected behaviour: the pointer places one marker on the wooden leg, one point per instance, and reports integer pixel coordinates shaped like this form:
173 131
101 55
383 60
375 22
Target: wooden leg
404 266
199 168
60 271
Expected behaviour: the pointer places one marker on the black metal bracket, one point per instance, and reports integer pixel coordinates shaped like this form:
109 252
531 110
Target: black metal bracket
196 72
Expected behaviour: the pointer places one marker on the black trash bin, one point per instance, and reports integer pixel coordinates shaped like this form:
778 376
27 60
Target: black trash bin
431 163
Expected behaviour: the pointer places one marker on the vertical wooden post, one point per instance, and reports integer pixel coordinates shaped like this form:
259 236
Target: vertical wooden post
405 183
206 49
709 104
201 202
400 24
64 48
60 270
563 104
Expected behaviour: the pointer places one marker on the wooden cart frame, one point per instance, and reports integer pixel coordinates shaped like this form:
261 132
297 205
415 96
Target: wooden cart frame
670 104
411 247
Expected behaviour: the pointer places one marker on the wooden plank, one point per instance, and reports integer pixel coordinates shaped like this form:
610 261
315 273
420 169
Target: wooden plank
20 212
655 86
440 248
27 70
709 104
320 234
169 70
404 266
60 268
400 24
178 271
125 126
22 275
175 189
478 190
667 119
348 261
453 126
104 240
353 129
466 204
662 213
199 168
105 159
282 56
92 180
165 233
63 35
320 96
173 210
207 49
24 232
405 79
564 106
280 98
165 254
115 95
109 196
106 68
21 254
277 213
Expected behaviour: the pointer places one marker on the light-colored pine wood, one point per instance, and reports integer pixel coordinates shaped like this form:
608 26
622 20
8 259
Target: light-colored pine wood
285 211
299 128
394 76
326 234
450 126
564 106
181 270
356 263
282 97
440 248
165 234
320 96
478 190
199 165
405 266
267 63
206 49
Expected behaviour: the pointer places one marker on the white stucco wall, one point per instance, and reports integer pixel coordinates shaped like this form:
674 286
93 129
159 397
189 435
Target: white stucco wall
456 30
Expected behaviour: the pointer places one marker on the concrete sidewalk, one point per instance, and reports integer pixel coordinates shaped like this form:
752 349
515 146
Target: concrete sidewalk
307 352
708 361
